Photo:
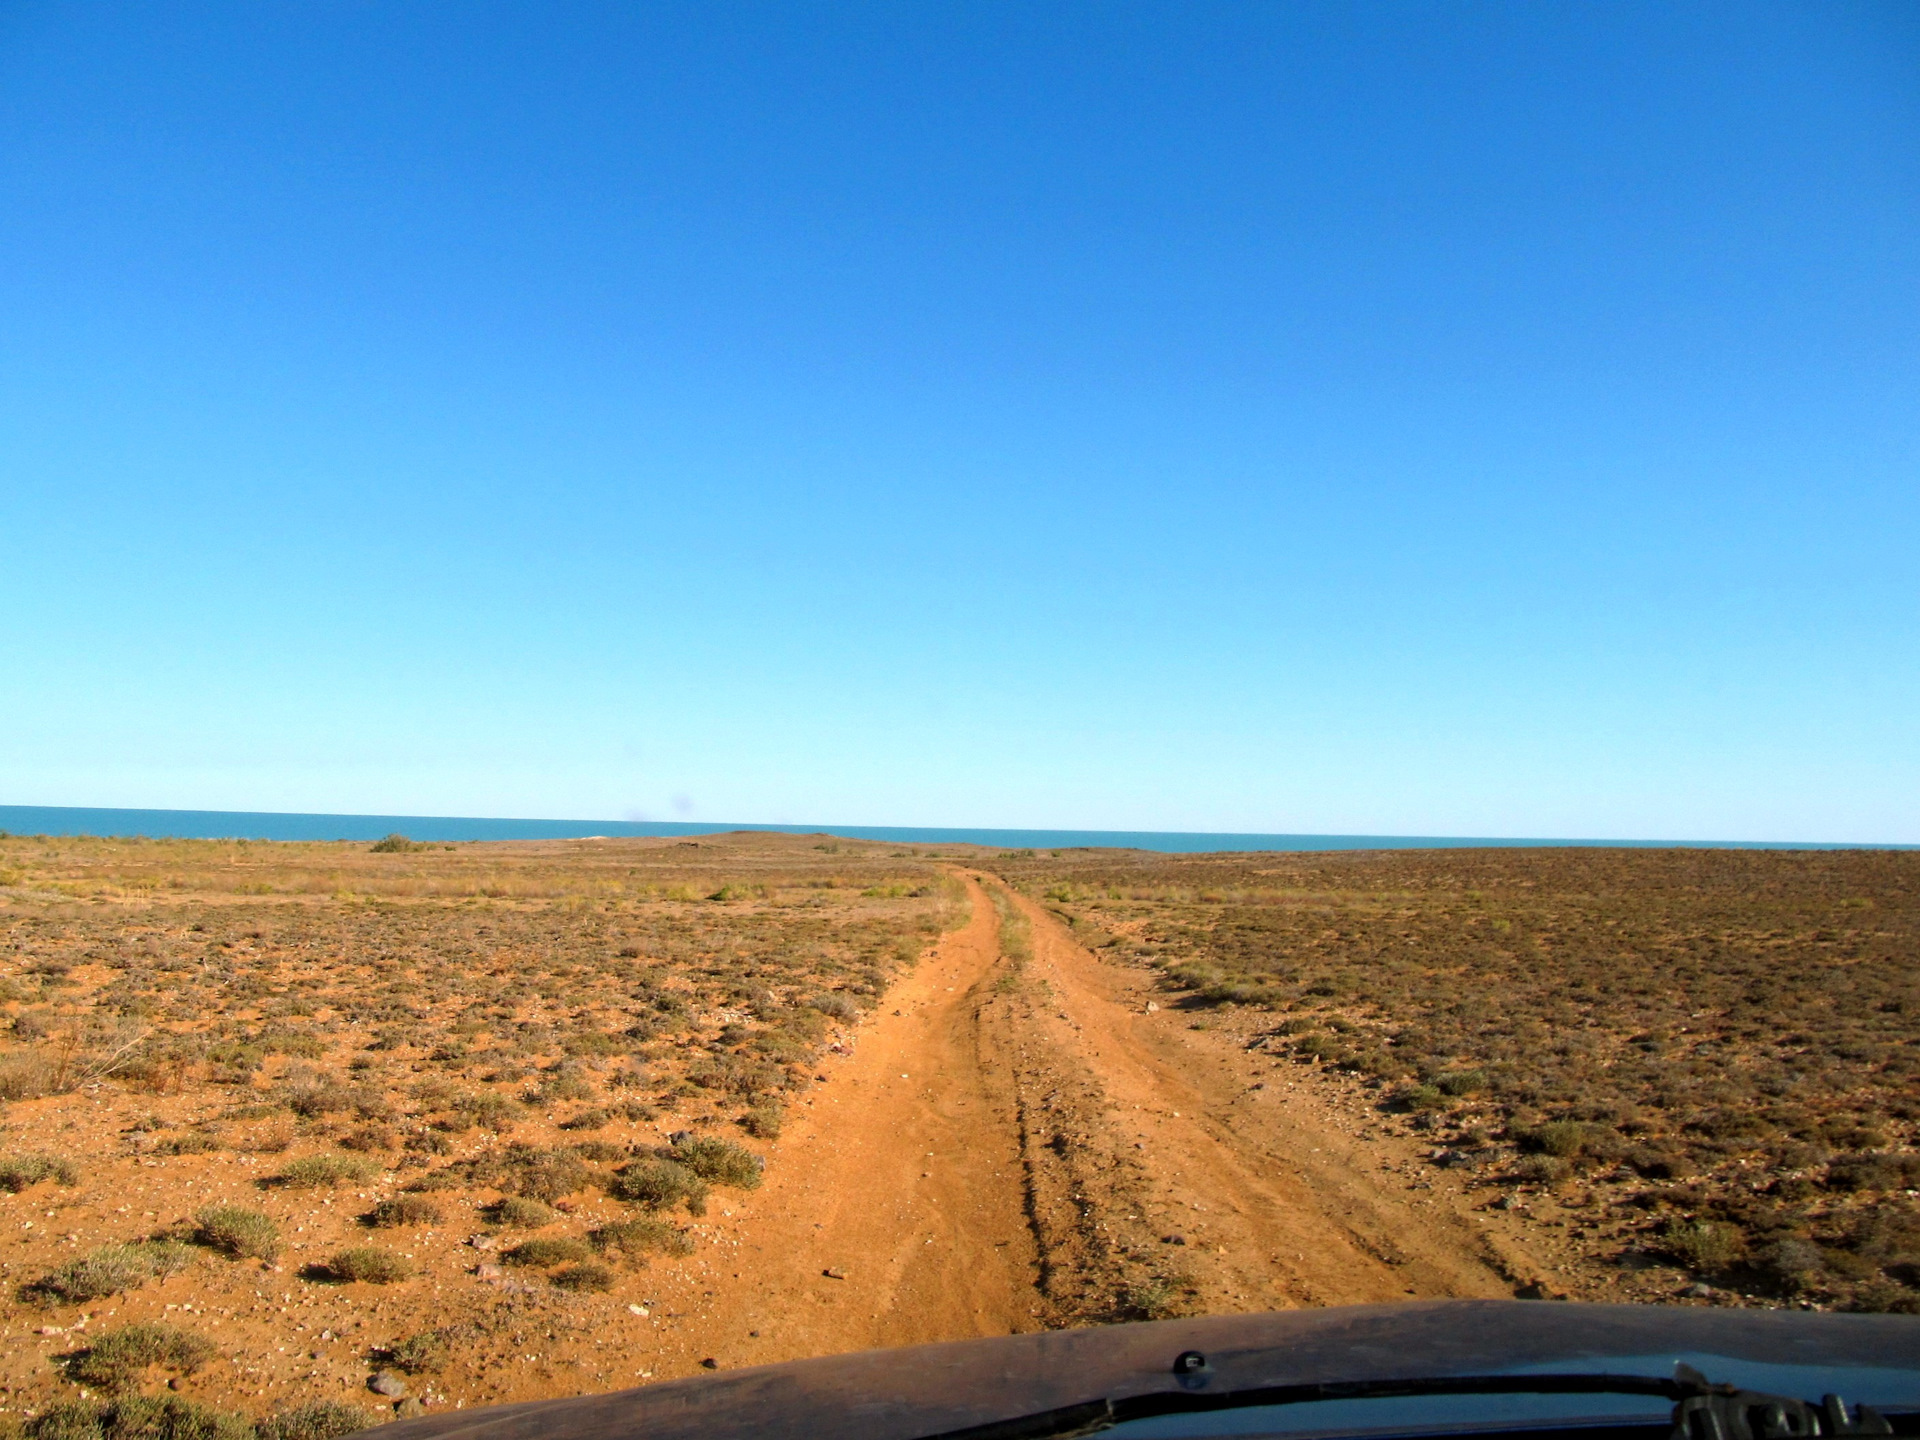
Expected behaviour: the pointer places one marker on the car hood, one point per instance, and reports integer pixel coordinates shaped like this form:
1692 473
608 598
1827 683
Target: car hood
925 1390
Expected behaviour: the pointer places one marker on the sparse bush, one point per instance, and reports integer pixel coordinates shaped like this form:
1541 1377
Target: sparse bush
17 1172
369 1138
1706 1246
396 844
366 1264
544 1174
1542 1170
237 1232
585 1276
719 1162
25 1077
487 1110
138 1417
316 1420
1793 1265
594 1119
194 1142
115 1359
1415 1098
404 1210
422 1354
520 1213
313 1172
548 1250
635 1238
1563 1138
109 1270
659 1185
1873 1171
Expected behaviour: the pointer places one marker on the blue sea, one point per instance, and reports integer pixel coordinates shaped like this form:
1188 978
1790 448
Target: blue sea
273 825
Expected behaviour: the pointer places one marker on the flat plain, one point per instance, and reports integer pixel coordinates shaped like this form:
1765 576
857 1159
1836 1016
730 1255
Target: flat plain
301 1135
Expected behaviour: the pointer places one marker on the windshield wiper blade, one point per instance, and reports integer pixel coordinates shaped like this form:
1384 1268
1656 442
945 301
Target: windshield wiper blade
1702 1411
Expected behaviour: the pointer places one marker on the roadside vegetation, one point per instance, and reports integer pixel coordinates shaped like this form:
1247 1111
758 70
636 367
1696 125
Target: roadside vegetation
423 1091
1710 1059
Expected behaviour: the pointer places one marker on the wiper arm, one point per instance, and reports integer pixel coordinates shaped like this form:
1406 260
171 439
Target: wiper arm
1702 1410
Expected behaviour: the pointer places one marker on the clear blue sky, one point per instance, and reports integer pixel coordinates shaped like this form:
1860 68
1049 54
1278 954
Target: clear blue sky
1399 418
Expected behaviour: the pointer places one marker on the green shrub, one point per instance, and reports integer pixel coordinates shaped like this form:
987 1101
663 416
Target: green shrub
17 1172
236 1232
421 1354
1542 1169
719 1162
138 1417
1420 1097
1462 1082
1706 1246
521 1213
116 1358
544 1174
312 1172
369 1265
396 844
487 1110
594 1119
194 1142
1875 1172
583 1277
1564 1138
109 1270
548 1250
763 1122
404 1210
634 1238
316 1420
659 1185
370 1137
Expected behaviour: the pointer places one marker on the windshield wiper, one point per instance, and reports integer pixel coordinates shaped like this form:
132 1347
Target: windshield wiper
1702 1410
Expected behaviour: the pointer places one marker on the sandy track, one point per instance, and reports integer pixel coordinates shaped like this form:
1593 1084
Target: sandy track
1009 1147
901 1174
1258 1182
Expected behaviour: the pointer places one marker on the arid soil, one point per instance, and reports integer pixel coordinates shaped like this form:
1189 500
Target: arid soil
621 1111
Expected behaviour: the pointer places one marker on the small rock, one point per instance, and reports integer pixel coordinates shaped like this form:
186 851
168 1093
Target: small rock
407 1408
385 1382
1173 1239
638 1309
1152 1007
483 1242
489 1272
709 1363
832 1273
1699 1290
679 1137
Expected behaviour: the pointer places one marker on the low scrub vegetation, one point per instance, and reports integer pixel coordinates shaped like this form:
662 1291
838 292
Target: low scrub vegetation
367 1265
109 1270
116 1359
1722 1047
341 1045
238 1233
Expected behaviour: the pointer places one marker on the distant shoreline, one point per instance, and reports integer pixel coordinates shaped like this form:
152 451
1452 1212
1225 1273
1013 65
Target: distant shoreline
275 825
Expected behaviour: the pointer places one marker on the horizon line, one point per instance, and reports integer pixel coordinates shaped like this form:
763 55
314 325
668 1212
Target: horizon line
361 826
